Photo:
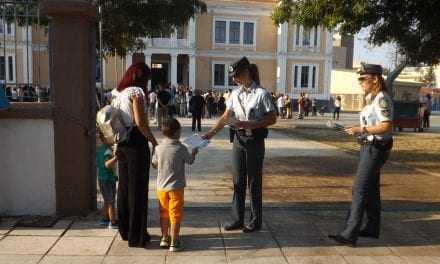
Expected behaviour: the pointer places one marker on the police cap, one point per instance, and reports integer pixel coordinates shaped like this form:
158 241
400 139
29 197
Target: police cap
370 69
238 66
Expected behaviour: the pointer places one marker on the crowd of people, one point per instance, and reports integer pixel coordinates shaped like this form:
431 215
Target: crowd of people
305 106
27 93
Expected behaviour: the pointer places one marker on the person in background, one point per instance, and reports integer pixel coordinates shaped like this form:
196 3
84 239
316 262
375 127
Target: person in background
337 108
170 159
152 98
288 106
281 105
106 160
196 106
163 101
301 103
427 111
307 105
314 109
188 95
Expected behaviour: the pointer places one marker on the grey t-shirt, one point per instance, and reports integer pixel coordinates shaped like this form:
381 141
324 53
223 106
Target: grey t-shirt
171 156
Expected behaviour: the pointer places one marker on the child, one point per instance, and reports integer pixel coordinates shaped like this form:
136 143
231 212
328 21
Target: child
170 158
105 161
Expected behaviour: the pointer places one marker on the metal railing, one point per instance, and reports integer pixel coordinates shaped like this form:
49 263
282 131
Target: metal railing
24 60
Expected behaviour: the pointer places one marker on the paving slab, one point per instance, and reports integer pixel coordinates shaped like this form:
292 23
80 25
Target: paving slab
364 250
82 246
317 260
89 229
306 246
374 260
134 260
56 230
120 248
20 259
425 250
258 260
260 244
182 259
26 245
421 260
72 260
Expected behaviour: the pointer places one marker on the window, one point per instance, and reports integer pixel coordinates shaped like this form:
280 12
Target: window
221 78
11 68
306 37
219 74
248 37
2 68
220 31
234 32
305 76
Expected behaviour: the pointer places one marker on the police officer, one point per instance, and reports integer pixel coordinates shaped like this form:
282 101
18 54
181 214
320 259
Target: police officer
250 111
375 138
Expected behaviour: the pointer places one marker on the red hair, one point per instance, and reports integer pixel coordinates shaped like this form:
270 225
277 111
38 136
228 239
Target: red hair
140 71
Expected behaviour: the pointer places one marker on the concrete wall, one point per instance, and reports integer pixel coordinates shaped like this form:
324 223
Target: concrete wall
27 163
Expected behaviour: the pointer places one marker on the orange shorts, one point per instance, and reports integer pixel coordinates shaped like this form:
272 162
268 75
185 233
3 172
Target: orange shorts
171 205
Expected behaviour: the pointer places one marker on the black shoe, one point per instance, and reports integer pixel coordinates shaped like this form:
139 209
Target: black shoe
365 233
251 228
342 240
233 226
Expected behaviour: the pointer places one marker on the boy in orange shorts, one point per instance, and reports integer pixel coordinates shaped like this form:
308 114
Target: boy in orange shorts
169 159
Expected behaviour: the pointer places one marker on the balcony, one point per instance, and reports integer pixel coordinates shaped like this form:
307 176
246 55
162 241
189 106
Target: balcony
170 43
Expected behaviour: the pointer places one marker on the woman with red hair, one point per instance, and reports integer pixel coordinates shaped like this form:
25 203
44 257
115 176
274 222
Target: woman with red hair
134 158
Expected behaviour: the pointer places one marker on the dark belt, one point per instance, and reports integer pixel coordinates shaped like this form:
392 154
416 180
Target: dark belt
378 143
243 133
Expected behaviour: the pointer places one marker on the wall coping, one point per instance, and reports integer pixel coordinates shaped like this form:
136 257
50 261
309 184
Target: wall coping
28 111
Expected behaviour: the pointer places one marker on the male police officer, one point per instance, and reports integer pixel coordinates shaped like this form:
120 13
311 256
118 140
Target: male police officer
375 138
250 111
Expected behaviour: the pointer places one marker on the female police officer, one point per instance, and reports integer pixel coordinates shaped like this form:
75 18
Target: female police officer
254 112
375 138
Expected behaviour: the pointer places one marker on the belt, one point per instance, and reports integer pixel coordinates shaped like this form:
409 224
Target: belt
244 133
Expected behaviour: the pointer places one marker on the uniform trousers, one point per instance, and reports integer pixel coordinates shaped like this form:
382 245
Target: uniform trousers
247 170
132 199
366 193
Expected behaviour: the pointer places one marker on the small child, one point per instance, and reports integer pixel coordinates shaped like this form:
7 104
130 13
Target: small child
106 161
170 158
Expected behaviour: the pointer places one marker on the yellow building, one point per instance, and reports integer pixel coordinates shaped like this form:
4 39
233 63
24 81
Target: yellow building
344 83
23 55
291 59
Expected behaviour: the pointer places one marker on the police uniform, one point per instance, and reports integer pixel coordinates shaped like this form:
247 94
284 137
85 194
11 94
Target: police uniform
374 152
248 104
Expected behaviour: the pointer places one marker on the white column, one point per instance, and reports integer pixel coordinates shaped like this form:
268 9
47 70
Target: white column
174 39
174 69
148 62
282 57
192 33
192 71
128 60
328 65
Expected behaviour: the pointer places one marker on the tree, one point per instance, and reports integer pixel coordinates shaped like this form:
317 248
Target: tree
124 22
411 24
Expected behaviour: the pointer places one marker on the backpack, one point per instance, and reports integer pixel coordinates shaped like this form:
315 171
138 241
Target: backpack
110 123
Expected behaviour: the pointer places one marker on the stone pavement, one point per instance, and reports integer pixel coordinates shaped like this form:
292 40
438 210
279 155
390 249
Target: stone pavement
290 235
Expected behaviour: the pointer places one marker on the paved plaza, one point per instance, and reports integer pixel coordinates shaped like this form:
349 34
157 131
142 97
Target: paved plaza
291 234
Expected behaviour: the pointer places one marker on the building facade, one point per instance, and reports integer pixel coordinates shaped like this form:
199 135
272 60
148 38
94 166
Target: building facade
291 59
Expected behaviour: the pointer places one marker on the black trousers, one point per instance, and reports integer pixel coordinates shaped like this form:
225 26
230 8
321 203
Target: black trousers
134 167
366 193
336 113
247 170
197 118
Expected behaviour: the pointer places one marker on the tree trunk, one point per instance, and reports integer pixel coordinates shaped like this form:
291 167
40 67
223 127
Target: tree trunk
392 76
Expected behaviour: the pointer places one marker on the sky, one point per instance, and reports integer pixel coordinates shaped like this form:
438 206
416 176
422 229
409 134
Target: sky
364 52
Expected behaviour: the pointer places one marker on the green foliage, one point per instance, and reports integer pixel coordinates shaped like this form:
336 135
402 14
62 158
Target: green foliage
124 22
411 24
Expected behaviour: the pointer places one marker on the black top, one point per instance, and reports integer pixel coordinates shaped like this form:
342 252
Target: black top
164 97
196 104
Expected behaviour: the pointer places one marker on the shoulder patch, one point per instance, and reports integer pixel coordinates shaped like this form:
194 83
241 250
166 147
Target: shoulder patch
386 112
383 103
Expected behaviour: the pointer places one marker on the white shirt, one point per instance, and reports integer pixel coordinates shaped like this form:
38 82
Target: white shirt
377 110
153 97
280 102
337 103
255 101
124 103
